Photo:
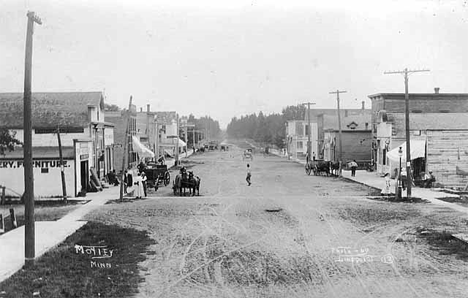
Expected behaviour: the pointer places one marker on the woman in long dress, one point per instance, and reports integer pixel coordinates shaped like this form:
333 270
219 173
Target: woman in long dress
139 191
387 185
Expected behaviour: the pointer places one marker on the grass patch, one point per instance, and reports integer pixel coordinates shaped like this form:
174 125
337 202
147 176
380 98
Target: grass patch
462 200
126 200
445 243
64 272
392 199
366 216
43 211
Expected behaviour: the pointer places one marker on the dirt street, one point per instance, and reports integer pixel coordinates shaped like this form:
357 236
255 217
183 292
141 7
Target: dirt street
287 235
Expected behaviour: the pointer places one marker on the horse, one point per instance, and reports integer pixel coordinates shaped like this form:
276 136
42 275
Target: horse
322 167
194 183
334 168
180 183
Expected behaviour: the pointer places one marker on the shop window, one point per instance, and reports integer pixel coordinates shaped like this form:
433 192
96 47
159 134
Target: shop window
299 145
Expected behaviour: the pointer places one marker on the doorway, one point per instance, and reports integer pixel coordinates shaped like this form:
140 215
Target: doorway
84 175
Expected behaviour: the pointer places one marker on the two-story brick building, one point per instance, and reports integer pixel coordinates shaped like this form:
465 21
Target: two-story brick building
87 141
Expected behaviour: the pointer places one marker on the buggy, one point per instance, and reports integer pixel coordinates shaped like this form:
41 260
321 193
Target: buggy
247 154
157 175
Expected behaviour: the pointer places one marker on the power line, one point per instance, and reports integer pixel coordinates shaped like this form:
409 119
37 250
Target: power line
406 72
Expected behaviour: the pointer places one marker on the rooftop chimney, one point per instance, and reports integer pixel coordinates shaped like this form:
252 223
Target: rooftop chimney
363 104
148 108
436 90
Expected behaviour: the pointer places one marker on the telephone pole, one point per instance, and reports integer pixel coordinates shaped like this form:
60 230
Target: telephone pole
126 142
309 144
177 141
340 155
29 233
408 149
62 169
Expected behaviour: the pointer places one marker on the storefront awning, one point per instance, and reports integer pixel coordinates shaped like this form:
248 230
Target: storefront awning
418 149
139 148
168 152
182 143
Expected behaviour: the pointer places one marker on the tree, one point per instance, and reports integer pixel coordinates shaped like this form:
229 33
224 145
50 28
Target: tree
111 107
7 140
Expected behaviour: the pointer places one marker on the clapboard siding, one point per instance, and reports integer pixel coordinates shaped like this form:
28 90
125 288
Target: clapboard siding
447 156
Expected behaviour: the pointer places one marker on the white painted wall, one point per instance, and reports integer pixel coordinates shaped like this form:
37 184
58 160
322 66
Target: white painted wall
45 184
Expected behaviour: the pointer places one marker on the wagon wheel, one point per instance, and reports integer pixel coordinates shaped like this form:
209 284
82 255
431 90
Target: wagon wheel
308 169
167 178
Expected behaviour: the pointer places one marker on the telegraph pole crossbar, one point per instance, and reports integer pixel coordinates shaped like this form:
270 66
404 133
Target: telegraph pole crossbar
340 155
406 72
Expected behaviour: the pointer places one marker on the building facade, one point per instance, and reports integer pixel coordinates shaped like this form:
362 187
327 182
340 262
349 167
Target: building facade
297 137
438 127
120 121
356 137
86 141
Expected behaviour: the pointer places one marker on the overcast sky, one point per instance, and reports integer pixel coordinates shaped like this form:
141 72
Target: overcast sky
229 58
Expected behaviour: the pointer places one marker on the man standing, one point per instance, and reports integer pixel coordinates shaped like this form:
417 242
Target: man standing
143 181
353 166
249 175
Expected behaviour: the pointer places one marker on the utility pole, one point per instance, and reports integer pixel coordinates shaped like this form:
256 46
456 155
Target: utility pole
177 141
340 155
125 145
29 233
62 169
309 144
193 132
408 149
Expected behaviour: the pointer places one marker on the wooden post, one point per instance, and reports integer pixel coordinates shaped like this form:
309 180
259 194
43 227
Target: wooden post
125 145
3 194
2 224
13 218
62 169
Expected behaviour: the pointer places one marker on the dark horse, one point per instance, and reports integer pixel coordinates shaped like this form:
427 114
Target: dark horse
321 167
194 184
334 168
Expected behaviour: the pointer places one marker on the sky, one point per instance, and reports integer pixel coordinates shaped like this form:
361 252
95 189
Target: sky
225 59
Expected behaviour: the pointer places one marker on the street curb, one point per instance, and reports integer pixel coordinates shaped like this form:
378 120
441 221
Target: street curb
362 183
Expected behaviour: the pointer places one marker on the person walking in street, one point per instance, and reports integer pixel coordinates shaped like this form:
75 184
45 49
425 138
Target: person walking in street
249 175
353 166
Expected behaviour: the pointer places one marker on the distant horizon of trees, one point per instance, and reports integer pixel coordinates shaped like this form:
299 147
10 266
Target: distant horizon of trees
269 129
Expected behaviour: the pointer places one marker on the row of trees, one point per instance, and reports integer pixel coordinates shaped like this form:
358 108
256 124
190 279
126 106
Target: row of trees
269 129
208 127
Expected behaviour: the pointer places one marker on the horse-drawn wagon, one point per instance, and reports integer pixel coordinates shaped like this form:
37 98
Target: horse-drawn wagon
248 154
157 175
319 167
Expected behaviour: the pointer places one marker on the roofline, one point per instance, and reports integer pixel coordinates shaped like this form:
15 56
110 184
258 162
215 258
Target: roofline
55 92
399 95
348 130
